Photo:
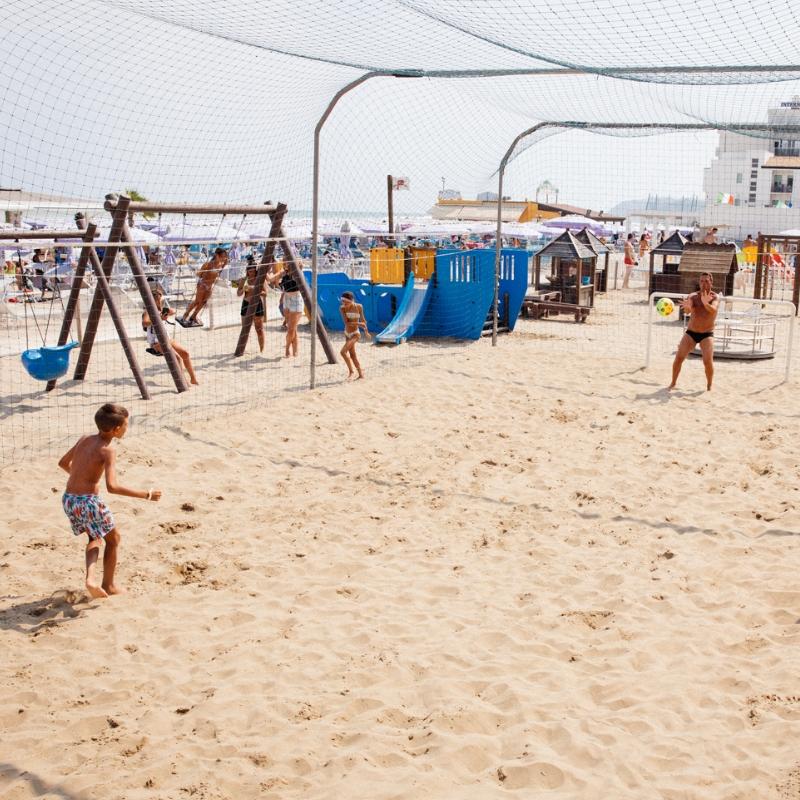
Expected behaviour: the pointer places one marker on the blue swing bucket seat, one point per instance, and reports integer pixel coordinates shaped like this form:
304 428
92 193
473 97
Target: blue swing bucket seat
47 363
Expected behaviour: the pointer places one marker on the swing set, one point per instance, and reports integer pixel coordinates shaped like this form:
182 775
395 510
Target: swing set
48 363
51 363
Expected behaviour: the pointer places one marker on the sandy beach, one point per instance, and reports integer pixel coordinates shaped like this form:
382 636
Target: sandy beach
497 573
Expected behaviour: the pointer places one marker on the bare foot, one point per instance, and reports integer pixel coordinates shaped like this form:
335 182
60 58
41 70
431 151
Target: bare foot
360 376
195 382
670 387
95 590
350 376
112 588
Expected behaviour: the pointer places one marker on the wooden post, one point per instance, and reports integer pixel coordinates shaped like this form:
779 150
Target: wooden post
103 294
96 308
120 219
74 293
322 333
390 197
652 270
267 260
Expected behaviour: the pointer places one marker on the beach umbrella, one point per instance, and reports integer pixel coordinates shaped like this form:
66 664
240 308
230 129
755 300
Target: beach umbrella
204 233
576 221
438 229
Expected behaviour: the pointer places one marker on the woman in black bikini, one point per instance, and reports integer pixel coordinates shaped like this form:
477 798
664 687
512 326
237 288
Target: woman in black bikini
247 287
353 318
292 305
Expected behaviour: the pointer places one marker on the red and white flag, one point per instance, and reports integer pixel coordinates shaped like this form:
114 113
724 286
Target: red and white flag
400 183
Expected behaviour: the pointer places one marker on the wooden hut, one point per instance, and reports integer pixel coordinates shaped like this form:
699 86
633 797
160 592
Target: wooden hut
572 268
601 250
670 251
696 258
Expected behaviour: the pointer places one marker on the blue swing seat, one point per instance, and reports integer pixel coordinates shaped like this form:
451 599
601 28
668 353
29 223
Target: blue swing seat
47 363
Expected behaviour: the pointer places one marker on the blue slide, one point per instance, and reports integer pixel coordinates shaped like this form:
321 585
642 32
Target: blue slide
409 315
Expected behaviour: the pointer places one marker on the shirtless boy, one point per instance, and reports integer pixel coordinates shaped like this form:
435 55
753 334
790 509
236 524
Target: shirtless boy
702 306
207 276
353 318
86 461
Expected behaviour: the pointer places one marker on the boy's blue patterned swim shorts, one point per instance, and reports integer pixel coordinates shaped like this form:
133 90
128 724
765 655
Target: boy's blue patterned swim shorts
88 514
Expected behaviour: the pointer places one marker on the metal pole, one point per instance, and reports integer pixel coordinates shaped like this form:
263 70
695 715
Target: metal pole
498 254
315 211
649 328
790 341
390 203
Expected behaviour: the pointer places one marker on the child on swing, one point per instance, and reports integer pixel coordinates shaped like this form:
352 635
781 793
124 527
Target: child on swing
153 345
207 277
86 462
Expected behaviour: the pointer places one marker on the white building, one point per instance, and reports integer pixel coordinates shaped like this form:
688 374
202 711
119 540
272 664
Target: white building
750 185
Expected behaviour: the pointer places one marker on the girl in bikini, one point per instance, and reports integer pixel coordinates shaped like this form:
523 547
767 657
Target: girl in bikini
153 345
247 287
353 318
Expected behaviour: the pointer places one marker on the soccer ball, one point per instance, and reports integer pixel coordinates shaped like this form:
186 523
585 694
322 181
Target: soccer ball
665 306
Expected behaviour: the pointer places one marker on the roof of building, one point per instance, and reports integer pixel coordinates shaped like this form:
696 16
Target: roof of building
588 238
718 259
567 246
598 216
672 245
468 209
782 162
480 212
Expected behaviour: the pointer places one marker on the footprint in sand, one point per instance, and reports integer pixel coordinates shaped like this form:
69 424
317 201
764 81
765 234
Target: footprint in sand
540 775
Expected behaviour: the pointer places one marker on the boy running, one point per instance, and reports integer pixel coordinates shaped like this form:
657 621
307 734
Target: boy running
86 461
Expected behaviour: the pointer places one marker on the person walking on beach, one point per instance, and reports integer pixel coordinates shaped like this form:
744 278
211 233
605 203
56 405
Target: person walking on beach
702 307
629 259
353 318
207 277
86 462
247 289
644 246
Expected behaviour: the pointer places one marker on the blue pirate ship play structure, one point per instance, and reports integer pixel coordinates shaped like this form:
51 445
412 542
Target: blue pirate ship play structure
422 292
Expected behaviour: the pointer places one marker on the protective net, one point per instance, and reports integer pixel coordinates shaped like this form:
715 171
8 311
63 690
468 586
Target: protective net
661 120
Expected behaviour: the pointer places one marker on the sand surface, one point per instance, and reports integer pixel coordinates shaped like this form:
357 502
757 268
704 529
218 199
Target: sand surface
507 573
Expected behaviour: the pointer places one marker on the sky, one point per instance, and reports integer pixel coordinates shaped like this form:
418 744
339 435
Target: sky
211 100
